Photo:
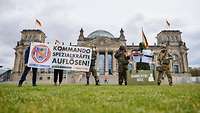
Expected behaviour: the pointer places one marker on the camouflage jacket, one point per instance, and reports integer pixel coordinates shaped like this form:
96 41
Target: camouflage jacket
93 59
164 58
122 60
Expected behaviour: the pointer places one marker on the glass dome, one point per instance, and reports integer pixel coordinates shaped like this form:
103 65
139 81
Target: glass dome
100 33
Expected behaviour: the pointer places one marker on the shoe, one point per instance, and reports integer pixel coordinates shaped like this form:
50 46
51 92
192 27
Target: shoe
97 82
87 82
125 83
34 85
19 85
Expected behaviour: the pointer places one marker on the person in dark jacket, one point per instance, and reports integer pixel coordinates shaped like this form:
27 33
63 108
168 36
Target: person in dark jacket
27 69
123 61
92 69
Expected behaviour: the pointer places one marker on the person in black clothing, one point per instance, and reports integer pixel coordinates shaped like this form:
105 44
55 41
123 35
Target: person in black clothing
56 73
27 69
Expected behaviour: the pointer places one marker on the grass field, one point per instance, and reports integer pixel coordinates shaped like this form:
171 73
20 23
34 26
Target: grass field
100 99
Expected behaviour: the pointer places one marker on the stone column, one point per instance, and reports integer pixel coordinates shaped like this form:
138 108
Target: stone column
182 63
97 62
186 62
16 67
114 63
106 62
16 64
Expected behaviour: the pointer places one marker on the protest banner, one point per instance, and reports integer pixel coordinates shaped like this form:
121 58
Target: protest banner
71 58
40 55
59 56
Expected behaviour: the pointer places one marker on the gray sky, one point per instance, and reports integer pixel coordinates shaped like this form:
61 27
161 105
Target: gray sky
63 19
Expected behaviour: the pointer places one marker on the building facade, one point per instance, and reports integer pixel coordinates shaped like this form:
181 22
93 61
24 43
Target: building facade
106 45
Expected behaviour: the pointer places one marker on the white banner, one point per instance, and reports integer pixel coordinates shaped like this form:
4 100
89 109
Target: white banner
146 56
60 57
71 58
40 55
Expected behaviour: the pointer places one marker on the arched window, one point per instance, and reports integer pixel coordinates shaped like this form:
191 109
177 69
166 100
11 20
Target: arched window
176 68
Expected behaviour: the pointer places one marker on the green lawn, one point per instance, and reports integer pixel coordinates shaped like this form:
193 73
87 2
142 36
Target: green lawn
100 99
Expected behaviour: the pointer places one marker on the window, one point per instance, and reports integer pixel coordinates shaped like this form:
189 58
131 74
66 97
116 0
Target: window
40 78
176 68
110 64
48 78
101 63
175 57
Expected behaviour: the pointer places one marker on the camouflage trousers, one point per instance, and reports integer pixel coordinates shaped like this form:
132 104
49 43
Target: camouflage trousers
161 73
94 74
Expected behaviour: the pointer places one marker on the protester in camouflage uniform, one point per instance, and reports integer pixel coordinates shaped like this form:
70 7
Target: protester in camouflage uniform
164 62
123 62
92 69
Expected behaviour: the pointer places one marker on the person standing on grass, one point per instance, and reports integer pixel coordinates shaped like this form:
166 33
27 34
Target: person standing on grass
164 61
58 72
27 69
123 61
92 68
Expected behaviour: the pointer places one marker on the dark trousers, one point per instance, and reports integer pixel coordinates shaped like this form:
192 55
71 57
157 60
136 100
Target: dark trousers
56 73
24 74
122 77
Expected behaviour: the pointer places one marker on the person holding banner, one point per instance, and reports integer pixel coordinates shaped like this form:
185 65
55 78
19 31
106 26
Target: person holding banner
123 61
27 69
92 68
56 73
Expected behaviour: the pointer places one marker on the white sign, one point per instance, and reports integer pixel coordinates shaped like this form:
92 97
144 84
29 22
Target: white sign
60 57
40 55
146 56
71 57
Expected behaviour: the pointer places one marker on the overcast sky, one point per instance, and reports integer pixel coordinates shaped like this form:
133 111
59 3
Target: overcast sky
62 20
